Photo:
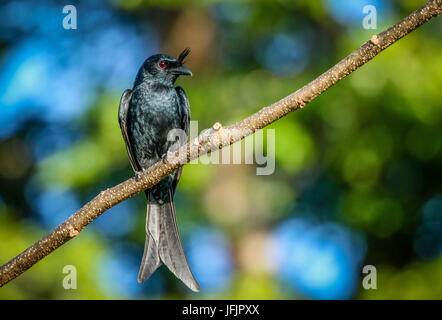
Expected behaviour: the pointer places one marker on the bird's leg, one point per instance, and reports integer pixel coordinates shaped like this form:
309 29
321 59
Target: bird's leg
138 174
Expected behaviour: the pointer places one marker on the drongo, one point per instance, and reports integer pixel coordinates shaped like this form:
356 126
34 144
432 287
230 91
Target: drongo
146 115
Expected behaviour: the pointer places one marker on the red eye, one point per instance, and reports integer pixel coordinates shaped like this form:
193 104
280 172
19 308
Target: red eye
162 64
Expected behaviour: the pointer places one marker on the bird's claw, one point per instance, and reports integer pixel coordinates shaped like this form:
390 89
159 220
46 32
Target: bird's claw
138 175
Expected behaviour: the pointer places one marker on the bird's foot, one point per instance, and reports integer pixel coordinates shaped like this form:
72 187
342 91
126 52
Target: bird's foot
164 158
138 175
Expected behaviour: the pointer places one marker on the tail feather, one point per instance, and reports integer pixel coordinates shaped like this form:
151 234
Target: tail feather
151 260
163 244
171 249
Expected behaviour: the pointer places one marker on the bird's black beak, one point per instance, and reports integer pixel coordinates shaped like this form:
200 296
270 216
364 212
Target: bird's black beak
181 71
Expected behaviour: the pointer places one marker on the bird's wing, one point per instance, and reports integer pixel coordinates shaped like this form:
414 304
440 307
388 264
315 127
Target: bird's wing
185 125
185 109
122 119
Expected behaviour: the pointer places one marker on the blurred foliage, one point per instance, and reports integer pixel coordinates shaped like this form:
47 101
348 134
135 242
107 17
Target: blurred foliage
358 171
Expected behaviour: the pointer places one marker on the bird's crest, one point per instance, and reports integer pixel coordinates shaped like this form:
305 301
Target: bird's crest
183 55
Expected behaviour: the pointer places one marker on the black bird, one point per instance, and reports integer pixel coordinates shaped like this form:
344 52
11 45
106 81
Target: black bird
146 115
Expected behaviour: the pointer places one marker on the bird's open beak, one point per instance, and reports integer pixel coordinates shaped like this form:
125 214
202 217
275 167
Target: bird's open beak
181 71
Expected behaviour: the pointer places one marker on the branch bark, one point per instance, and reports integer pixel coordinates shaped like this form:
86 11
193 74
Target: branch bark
212 139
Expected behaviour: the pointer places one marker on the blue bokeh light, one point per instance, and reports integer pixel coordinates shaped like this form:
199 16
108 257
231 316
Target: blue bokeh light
320 261
351 12
118 220
428 239
209 256
117 275
55 205
284 54
55 74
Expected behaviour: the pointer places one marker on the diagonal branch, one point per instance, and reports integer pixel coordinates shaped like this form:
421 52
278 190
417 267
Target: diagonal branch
214 138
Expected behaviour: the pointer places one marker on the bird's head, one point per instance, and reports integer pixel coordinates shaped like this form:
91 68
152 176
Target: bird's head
164 69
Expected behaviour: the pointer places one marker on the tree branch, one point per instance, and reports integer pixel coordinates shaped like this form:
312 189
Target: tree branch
212 139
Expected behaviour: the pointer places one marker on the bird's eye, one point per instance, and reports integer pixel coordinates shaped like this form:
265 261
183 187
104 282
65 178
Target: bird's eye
162 64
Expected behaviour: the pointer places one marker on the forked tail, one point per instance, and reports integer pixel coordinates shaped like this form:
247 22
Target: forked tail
163 243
